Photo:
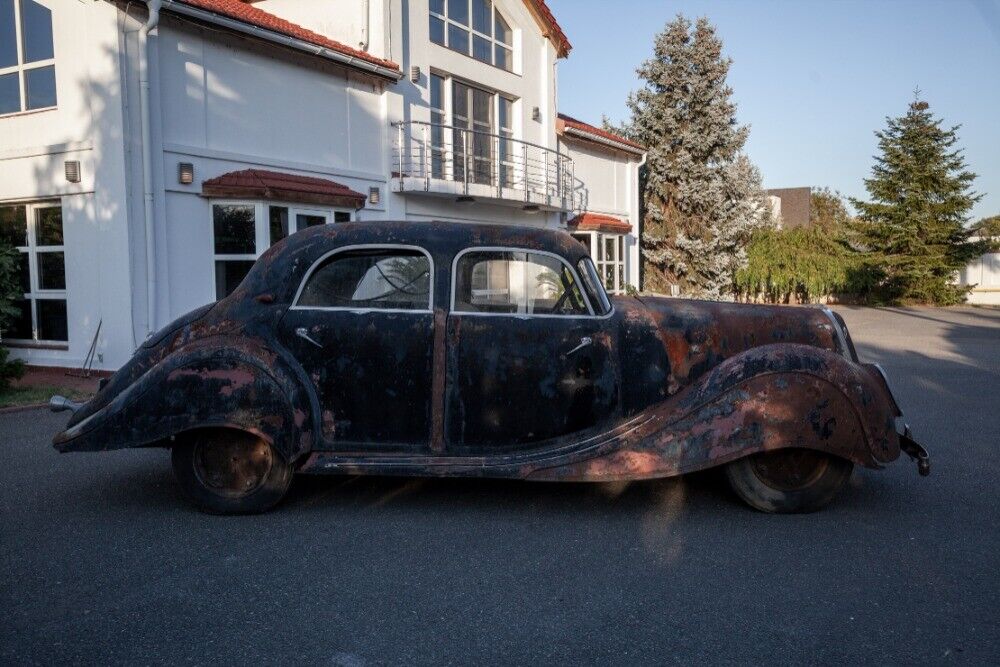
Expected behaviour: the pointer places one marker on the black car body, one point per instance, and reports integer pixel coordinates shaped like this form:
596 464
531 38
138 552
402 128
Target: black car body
433 365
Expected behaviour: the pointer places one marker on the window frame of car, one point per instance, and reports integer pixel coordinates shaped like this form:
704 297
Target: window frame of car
368 309
591 313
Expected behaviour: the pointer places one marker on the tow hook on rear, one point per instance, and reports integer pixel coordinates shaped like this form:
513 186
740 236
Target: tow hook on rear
915 451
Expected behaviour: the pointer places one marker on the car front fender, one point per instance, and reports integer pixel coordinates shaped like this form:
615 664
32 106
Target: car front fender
215 382
769 397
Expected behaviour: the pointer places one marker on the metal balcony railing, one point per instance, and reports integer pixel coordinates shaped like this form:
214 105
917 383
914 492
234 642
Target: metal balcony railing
447 159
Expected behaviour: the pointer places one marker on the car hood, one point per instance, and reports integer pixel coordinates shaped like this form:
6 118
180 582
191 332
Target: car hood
698 335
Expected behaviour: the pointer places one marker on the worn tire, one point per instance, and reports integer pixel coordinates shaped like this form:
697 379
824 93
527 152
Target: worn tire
789 481
226 471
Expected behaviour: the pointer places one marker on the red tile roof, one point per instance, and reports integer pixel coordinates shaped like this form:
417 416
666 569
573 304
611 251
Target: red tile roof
244 12
550 27
586 128
586 222
278 186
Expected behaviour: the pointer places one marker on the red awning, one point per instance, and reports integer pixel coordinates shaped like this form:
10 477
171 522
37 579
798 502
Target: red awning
597 222
274 185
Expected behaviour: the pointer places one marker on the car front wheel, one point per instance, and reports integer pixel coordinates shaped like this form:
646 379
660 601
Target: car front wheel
788 481
225 471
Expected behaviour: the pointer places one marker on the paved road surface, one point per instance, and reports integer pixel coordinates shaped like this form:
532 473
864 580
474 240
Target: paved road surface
103 563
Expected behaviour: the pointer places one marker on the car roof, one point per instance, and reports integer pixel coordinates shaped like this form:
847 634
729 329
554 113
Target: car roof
437 235
286 261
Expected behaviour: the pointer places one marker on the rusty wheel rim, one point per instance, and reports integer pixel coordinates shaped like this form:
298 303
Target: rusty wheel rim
789 469
232 465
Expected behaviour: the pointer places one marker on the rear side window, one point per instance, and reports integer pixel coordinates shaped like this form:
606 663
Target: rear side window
377 278
514 282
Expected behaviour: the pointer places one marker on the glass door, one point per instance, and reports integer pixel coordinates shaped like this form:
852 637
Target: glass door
472 116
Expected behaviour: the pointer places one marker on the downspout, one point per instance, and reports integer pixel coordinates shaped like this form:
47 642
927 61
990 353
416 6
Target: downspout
368 24
638 220
147 160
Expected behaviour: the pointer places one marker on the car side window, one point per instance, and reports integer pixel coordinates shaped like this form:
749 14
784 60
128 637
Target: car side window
516 282
375 278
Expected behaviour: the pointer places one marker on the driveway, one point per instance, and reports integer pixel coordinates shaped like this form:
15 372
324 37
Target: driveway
103 563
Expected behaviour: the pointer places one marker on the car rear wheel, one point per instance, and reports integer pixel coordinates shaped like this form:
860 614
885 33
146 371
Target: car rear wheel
225 471
787 481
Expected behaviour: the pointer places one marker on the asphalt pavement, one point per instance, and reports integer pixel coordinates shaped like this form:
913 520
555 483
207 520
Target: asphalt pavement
101 561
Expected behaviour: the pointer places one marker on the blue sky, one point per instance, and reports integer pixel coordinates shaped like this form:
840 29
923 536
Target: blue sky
813 79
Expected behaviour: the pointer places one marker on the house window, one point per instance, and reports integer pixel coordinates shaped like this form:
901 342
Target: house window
481 133
474 28
36 232
27 57
608 251
242 231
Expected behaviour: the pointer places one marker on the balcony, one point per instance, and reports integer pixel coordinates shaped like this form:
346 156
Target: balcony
472 165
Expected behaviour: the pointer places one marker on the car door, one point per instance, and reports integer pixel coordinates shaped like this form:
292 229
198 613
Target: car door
528 359
362 328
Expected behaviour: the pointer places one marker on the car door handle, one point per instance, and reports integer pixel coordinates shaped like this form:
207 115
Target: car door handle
303 333
584 342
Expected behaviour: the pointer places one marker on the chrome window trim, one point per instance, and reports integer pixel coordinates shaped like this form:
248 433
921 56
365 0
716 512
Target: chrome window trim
360 311
523 316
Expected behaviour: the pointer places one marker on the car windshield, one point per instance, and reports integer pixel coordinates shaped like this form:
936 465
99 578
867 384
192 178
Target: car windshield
592 282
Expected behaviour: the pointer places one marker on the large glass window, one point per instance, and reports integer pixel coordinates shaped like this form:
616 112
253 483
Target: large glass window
516 282
36 232
609 253
242 231
27 57
380 278
481 136
475 28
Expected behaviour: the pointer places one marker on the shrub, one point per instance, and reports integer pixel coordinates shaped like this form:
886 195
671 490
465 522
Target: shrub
802 264
9 291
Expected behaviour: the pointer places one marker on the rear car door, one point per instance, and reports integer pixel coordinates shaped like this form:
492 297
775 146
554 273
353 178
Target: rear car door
528 358
362 328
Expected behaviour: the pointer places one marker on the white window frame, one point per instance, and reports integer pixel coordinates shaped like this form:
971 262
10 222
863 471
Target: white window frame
446 149
22 67
618 264
473 33
36 293
262 225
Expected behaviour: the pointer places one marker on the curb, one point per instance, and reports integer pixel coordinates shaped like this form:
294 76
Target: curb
22 408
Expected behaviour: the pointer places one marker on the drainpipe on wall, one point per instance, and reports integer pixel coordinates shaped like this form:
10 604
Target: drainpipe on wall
368 24
147 159
638 221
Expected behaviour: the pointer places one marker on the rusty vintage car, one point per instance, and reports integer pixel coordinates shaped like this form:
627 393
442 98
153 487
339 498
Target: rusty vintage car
434 349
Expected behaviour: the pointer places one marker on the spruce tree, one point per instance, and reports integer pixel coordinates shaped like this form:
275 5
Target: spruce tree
913 232
702 197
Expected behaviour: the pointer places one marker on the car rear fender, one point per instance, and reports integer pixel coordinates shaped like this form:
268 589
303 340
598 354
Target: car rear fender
214 382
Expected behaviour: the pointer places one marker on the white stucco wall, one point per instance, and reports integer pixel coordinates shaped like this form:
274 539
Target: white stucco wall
87 125
226 102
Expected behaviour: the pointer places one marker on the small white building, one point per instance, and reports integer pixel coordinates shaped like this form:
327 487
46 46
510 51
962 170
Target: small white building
148 157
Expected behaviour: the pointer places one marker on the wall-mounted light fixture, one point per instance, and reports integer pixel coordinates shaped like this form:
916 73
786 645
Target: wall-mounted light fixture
530 208
536 113
185 173
374 196
415 73
465 199
72 169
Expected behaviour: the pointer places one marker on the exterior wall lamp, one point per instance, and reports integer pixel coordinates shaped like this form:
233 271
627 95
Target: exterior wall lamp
185 173
72 170
374 196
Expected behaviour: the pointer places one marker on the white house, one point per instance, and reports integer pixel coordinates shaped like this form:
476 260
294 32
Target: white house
150 151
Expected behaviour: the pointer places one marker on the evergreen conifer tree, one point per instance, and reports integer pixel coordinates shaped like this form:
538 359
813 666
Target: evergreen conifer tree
702 197
913 232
